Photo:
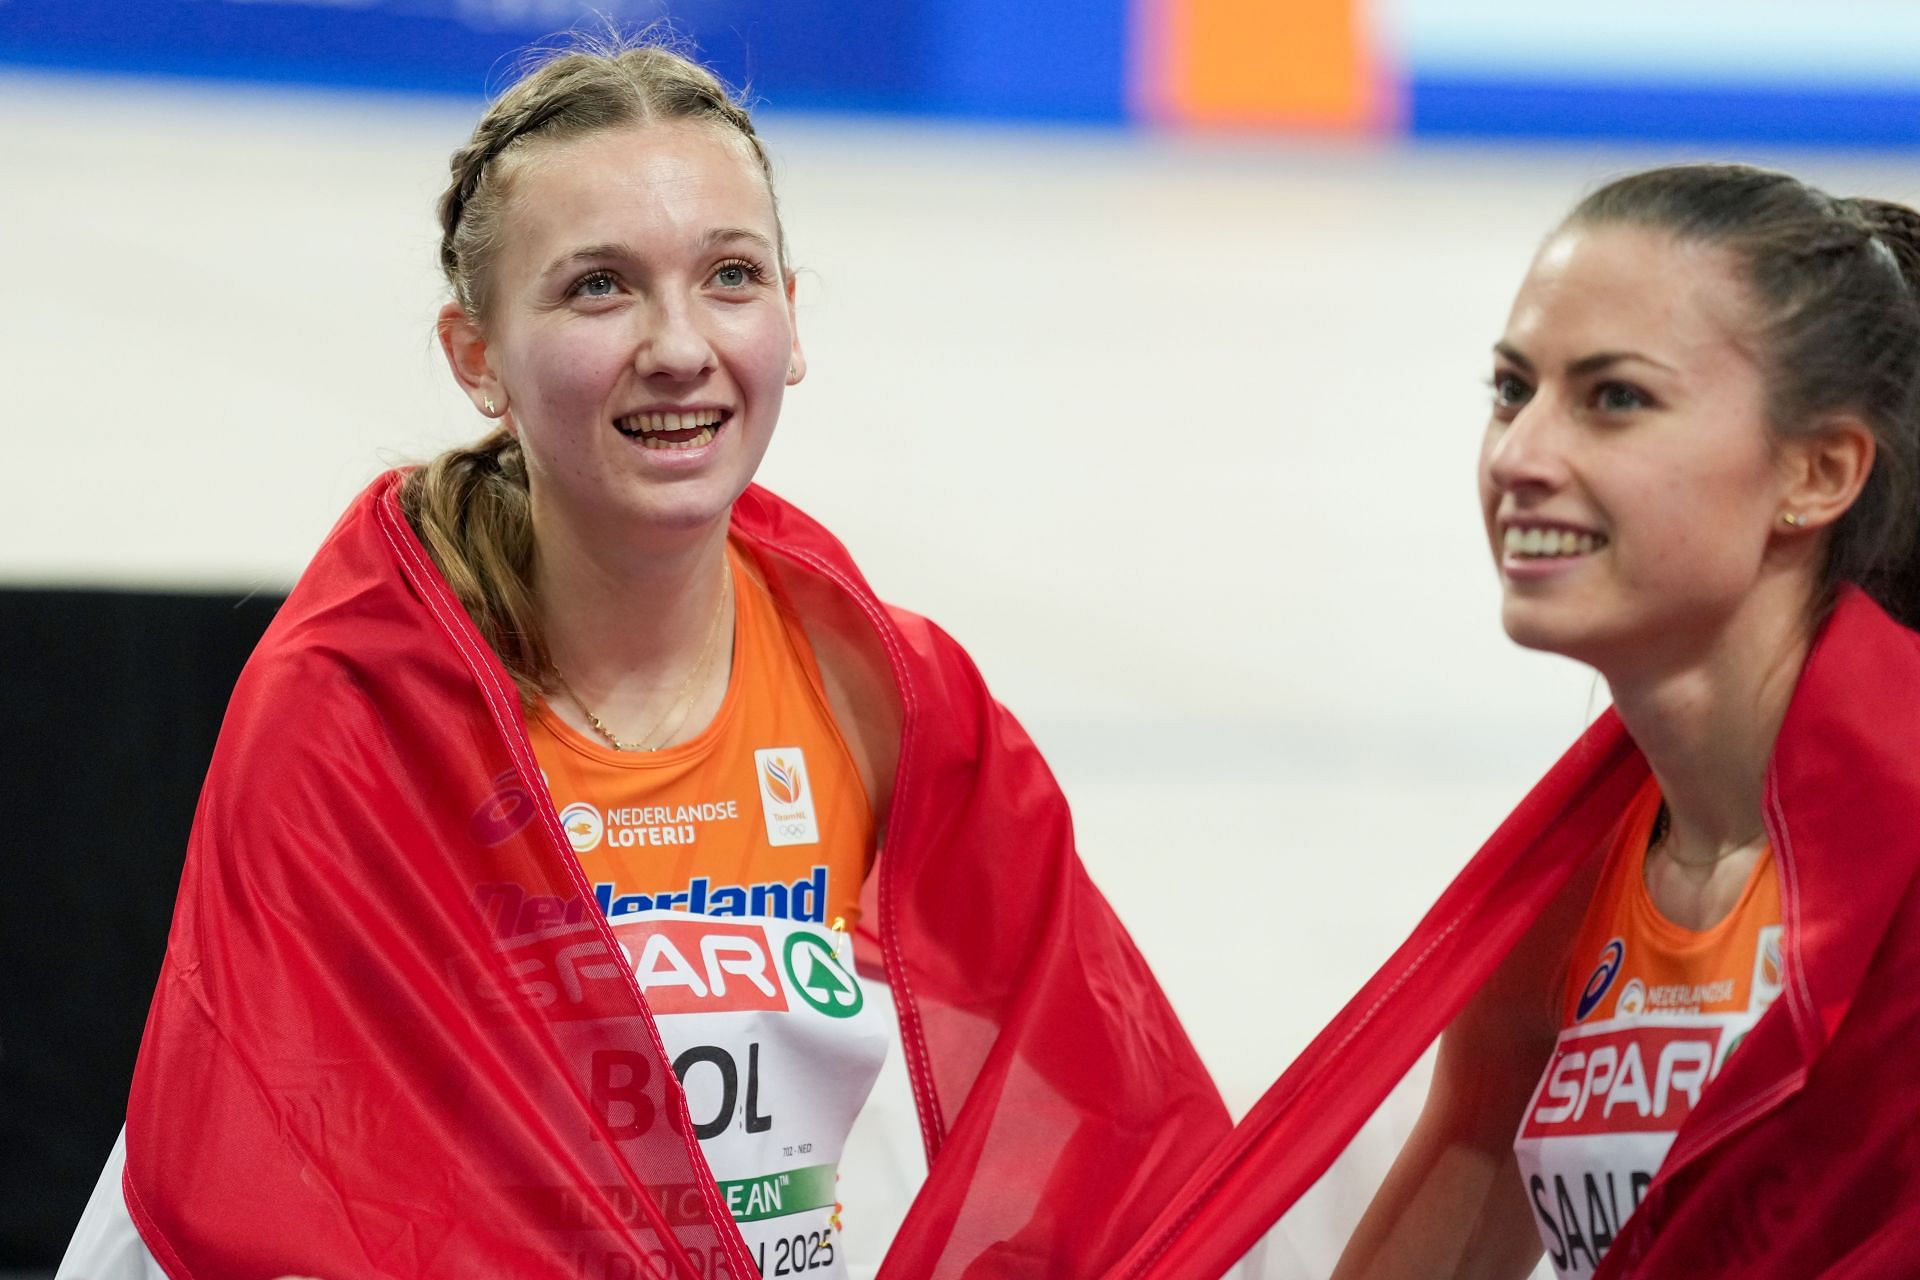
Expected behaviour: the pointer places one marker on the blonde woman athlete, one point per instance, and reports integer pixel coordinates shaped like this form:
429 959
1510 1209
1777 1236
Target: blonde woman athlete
517 934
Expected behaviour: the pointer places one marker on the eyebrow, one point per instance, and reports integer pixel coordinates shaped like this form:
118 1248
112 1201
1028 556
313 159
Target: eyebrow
722 235
1585 364
601 252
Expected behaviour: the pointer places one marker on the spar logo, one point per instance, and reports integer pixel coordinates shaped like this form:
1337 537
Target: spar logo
584 826
817 974
1611 958
708 966
1645 1079
786 801
701 966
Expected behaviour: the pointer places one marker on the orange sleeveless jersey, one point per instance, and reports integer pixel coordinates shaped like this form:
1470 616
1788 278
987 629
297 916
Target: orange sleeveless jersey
1663 968
762 814
1650 1014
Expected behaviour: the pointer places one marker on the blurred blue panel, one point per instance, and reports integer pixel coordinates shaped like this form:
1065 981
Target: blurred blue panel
1450 107
417 45
974 57
851 55
1052 59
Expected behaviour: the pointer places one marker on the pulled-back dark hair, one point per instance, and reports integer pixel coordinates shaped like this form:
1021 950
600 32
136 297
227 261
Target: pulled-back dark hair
1835 291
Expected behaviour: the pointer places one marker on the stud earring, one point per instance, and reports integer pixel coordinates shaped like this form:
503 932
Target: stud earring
1790 519
491 411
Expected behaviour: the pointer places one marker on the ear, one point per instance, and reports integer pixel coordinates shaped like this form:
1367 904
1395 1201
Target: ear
1825 471
466 350
797 359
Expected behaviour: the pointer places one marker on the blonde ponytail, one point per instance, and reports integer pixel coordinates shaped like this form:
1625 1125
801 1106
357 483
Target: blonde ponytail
471 509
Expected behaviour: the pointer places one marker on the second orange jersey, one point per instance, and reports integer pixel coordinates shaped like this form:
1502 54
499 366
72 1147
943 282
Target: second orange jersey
1652 1011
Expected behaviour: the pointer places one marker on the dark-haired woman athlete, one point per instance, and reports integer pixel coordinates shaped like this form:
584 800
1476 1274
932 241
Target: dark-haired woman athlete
1699 477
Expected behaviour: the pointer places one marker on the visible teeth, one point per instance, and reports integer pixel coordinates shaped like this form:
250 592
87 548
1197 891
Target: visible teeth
672 421
692 442
1542 544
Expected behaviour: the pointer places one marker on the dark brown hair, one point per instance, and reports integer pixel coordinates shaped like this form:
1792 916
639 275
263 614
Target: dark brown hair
1837 330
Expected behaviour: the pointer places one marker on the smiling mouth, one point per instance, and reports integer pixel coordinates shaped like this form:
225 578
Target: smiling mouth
1536 543
666 430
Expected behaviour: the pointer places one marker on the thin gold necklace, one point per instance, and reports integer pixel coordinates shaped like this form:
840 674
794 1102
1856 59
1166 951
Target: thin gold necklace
681 700
1657 843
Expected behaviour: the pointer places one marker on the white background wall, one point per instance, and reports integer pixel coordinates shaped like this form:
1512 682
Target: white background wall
1177 436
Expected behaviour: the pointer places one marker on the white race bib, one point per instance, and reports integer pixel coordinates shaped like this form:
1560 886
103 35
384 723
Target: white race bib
1603 1117
770 1032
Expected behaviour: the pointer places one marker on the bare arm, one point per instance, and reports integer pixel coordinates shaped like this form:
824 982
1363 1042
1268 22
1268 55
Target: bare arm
1453 1203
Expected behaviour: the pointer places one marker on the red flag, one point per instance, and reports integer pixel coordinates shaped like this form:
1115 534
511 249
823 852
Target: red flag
1803 1156
393 1036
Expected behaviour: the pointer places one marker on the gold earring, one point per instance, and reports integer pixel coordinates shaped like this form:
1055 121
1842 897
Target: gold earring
491 411
1790 519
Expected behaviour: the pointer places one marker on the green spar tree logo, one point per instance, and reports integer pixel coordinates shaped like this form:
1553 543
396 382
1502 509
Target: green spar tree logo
820 978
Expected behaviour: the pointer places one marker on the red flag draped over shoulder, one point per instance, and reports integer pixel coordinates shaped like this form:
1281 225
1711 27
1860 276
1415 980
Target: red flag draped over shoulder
392 1036
1803 1156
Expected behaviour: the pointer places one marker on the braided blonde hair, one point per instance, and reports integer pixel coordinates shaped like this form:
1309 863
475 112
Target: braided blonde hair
470 505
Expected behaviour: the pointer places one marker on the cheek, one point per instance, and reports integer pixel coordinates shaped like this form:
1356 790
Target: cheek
762 344
569 371
1707 532
1729 498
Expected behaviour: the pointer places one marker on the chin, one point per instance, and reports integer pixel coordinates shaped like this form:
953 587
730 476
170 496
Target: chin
1547 630
690 504
682 517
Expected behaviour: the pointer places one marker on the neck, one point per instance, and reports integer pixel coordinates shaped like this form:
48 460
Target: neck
1707 721
626 626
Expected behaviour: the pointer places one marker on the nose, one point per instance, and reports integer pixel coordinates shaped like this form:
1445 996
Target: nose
1526 453
673 345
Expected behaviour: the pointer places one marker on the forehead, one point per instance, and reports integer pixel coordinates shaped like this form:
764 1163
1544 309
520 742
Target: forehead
1618 288
653 186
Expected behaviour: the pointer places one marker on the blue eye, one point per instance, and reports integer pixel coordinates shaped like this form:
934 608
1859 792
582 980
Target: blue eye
737 274
598 284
